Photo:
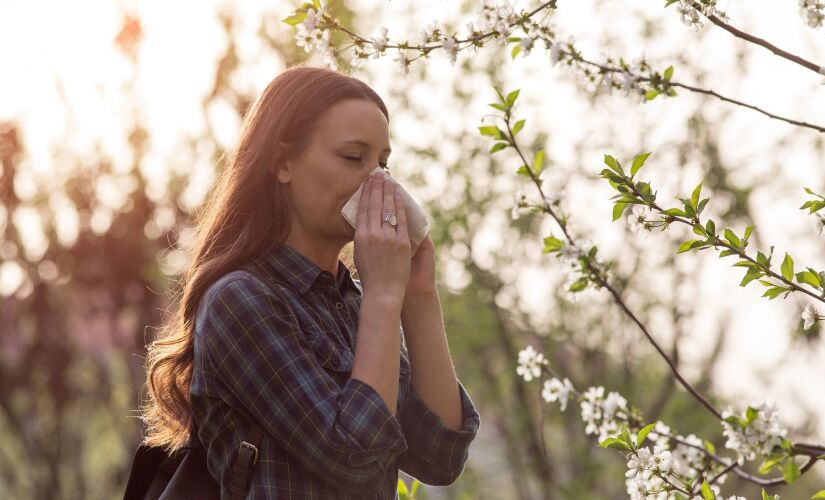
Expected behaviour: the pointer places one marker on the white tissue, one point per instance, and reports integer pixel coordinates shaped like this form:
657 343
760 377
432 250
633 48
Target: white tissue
417 223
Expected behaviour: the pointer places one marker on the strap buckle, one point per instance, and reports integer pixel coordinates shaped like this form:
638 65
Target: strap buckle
253 449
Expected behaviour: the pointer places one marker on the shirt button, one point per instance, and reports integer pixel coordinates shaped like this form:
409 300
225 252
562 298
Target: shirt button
339 305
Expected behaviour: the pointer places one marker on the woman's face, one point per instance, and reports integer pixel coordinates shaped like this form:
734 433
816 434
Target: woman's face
350 139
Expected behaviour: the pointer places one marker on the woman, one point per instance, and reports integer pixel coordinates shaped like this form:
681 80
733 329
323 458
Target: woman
344 396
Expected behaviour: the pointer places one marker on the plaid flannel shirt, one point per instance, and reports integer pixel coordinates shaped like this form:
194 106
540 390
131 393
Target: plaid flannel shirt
327 436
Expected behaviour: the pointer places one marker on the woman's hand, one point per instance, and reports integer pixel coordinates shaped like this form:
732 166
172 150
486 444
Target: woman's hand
422 270
382 252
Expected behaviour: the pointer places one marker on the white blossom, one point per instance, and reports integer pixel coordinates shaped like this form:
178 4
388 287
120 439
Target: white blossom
601 414
639 462
809 316
555 53
687 460
637 219
450 45
403 61
556 390
662 460
529 363
518 204
757 438
526 44
379 42
430 32
553 198
813 11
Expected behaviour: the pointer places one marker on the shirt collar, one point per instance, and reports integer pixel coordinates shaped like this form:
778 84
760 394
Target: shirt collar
300 272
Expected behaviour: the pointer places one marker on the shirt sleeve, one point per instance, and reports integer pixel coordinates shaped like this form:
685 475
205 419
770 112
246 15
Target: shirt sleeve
436 453
345 435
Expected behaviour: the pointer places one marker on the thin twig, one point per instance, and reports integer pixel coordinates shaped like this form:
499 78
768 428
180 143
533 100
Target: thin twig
761 42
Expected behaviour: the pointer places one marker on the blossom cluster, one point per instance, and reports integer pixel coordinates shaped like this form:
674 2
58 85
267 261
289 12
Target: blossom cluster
529 363
602 415
755 432
311 33
691 12
813 11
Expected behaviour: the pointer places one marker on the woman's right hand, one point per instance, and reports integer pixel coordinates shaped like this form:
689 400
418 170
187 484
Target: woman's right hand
382 252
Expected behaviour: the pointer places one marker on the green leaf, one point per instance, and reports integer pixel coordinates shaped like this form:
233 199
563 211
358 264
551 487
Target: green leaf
787 267
762 260
707 493
613 442
416 483
295 19
818 494
651 94
772 293
790 471
674 212
750 276
694 197
497 106
732 239
684 247
748 231
618 210
808 277
579 285
710 447
551 244
725 253
612 163
490 130
538 162
702 205
638 161
518 126
710 228
512 96
752 414
640 438
668 73
497 147
770 463
522 170
515 51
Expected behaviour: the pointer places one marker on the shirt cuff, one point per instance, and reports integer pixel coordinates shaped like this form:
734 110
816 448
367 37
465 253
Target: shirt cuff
429 437
374 433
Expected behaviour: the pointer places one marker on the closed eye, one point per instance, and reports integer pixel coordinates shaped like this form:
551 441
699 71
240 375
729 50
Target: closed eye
355 158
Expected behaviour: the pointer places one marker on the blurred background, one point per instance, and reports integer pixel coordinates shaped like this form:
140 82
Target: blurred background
114 116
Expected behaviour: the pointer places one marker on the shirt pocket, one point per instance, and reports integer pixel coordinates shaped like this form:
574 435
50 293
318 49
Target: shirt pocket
330 354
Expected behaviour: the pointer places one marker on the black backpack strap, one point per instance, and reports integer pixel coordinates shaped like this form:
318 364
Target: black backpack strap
245 462
248 451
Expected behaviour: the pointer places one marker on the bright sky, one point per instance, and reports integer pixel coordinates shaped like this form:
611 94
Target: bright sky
72 93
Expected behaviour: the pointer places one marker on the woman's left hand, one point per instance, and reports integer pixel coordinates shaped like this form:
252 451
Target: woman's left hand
422 271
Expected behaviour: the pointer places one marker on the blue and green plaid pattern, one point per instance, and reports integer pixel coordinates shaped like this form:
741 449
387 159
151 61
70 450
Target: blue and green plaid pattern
327 436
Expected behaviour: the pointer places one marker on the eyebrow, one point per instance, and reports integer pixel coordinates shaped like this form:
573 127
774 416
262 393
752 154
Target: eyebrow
362 143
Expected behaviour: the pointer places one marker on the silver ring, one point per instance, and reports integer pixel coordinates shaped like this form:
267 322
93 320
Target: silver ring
389 218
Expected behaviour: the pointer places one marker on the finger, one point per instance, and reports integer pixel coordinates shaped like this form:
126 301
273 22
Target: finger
376 202
389 203
401 211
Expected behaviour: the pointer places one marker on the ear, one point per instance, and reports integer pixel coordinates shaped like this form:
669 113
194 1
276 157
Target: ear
284 167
